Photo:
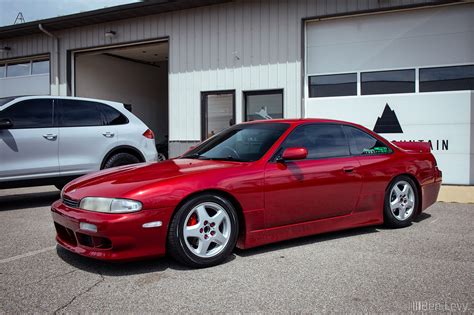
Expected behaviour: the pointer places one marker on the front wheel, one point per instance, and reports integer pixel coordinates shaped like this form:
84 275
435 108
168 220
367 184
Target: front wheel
203 232
401 202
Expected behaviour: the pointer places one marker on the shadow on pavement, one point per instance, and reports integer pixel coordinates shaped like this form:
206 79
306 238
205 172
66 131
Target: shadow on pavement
305 241
115 269
31 200
422 216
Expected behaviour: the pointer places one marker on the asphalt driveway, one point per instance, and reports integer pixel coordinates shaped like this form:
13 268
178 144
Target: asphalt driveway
428 266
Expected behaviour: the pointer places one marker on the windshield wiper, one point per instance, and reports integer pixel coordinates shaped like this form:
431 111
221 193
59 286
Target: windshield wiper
195 156
228 158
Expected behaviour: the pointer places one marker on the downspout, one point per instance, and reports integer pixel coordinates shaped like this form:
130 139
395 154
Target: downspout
56 52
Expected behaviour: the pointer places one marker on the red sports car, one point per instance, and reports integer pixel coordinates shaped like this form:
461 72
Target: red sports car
252 184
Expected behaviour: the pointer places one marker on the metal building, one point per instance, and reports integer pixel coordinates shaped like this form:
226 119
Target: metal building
404 68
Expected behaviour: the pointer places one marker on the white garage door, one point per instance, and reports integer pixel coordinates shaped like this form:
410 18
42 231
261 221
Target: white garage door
408 75
424 37
24 77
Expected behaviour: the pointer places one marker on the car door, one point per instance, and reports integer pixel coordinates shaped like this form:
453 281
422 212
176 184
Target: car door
376 167
29 148
326 184
83 137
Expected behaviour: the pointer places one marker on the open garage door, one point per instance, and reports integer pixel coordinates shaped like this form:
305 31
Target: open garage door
134 74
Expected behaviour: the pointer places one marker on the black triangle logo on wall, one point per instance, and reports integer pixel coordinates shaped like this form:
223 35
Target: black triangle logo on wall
388 122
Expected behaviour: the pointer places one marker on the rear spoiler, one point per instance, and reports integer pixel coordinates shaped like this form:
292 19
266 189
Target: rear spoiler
421 147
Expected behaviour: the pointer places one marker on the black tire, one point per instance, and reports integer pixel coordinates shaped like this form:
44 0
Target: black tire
177 245
404 208
120 159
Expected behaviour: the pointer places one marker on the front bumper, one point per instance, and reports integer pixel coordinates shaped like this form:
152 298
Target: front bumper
119 237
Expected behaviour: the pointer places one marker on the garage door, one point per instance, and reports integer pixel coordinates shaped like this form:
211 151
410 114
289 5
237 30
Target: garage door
408 75
24 77
416 38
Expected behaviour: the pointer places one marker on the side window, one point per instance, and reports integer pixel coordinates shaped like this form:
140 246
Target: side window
111 115
34 113
321 140
77 113
361 143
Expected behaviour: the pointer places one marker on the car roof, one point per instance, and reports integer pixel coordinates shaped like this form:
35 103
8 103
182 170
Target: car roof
29 97
298 121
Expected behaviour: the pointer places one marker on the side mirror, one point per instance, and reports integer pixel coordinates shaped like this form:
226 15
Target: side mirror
291 154
5 123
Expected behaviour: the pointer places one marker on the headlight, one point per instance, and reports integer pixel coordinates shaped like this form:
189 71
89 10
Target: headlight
110 205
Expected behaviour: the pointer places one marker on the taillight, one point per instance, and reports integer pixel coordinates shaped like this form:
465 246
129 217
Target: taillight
149 134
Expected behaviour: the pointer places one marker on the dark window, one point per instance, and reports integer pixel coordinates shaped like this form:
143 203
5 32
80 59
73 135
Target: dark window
321 140
40 67
18 69
77 113
246 142
5 100
361 143
111 115
447 79
2 71
333 85
388 82
261 105
35 113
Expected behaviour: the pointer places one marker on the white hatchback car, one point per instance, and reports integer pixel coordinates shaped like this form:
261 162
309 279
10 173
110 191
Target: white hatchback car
49 140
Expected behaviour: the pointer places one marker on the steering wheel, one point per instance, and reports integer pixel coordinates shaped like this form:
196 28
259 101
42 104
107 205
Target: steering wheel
233 152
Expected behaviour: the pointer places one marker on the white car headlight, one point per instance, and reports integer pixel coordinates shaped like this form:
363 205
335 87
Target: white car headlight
110 205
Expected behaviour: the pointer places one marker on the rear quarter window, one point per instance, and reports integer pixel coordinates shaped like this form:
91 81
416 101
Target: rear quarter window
112 116
361 143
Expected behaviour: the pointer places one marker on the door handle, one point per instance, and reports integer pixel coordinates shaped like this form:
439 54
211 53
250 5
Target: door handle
50 136
108 134
348 169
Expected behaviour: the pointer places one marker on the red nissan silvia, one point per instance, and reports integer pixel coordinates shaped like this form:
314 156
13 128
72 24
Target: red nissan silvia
252 184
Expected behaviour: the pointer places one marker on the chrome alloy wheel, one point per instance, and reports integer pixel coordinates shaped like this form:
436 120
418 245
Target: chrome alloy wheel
402 200
207 229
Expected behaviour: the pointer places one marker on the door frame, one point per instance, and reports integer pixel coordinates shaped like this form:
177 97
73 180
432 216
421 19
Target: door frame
204 111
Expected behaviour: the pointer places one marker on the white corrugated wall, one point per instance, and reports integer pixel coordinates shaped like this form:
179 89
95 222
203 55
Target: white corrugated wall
241 45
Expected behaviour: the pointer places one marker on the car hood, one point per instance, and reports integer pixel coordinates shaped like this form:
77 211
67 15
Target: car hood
117 182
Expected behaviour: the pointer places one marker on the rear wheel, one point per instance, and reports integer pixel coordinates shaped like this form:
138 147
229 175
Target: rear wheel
120 159
203 231
401 202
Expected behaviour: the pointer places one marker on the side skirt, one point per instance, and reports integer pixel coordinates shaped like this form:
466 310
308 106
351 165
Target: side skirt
281 233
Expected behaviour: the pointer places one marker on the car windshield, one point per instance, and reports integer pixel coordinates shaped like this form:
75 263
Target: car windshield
246 143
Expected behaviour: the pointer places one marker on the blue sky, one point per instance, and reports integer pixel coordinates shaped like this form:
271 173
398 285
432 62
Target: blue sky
41 9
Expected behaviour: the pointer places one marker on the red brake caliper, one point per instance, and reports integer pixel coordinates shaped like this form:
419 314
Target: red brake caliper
192 220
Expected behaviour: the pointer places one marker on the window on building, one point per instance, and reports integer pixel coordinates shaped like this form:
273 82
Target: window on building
333 85
218 112
388 82
321 140
2 71
18 69
40 67
76 113
36 113
447 78
261 105
361 143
